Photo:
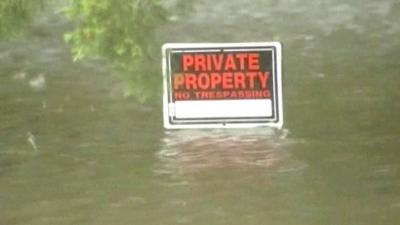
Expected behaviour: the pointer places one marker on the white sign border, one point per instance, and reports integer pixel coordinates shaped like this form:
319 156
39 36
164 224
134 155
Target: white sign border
165 68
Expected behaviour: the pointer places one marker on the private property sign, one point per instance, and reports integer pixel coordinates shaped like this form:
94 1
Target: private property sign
222 85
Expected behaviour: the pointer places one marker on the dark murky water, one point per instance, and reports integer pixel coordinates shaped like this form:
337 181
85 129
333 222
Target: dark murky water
74 150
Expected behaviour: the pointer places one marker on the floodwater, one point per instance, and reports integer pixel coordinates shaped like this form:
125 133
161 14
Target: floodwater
82 144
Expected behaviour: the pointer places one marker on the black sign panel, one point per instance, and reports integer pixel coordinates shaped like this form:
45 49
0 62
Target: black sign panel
222 85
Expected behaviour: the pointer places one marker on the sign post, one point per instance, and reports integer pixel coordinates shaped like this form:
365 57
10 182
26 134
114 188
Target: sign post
222 85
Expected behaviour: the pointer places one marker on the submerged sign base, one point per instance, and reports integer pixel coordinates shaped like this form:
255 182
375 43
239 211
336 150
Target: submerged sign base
222 85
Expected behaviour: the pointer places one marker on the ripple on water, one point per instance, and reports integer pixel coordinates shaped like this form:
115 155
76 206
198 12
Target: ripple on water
198 150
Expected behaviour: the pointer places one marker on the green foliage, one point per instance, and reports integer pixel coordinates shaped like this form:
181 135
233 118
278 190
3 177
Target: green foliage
15 15
121 31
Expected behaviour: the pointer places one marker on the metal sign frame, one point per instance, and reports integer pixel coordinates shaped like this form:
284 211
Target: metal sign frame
223 113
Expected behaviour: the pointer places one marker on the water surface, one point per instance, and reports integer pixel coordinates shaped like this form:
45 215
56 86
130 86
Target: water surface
83 143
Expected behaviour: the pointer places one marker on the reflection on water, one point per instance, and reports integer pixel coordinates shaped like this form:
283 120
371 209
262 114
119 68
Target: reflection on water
204 150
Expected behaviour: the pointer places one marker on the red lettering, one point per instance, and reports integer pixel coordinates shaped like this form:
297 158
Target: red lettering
251 76
216 80
248 94
209 65
204 95
211 94
181 95
190 81
187 61
254 61
178 81
258 94
263 78
241 57
217 61
239 80
229 62
227 81
203 81
267 94
200 62
197 94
